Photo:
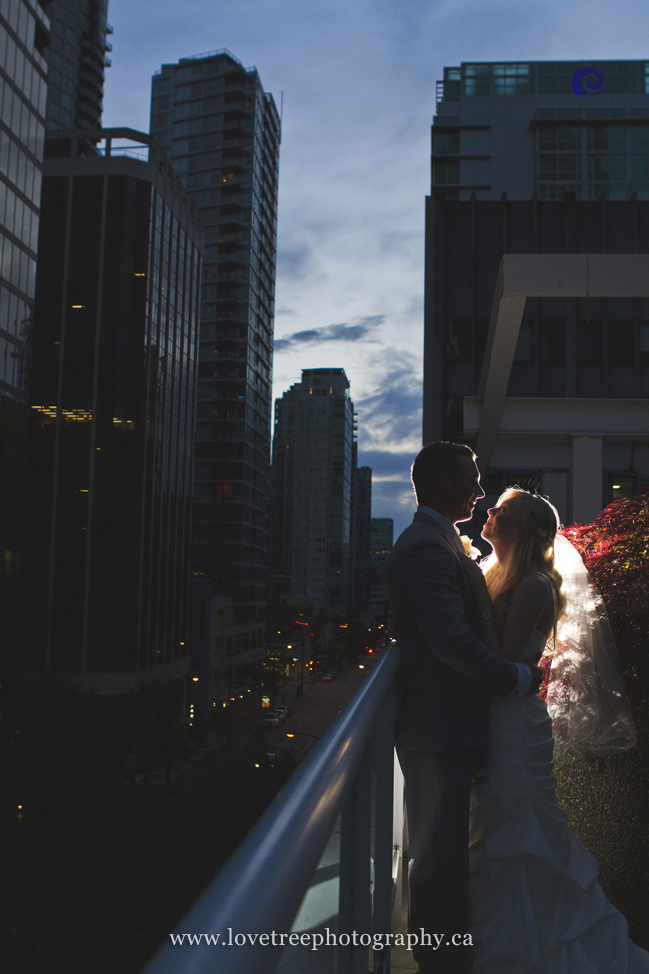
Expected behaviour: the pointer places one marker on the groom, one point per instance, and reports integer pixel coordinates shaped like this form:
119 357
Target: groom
445 678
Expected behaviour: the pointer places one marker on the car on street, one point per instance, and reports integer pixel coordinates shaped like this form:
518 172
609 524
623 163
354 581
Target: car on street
287 710
274 718
328 677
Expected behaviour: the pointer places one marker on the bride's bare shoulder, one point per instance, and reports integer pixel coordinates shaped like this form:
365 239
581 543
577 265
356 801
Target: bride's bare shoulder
534 589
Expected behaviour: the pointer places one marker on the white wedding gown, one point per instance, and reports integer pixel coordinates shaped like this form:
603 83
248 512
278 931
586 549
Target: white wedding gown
536 904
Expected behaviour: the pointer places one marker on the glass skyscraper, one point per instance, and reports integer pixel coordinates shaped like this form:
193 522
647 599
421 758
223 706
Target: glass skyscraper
77 61
115 347
24 34
221 132
380 547
313 467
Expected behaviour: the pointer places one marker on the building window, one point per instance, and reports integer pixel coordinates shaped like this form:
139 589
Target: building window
610 191
458 341
556 191
589 342
639 137
620 343
511 79
610 167
606 138
552 342
476 79
452 81
621 485
223 492
447 172
447 145
644 344
562 137
523 351
640 167
559 166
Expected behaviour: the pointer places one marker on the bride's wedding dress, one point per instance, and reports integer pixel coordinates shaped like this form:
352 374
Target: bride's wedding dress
536 904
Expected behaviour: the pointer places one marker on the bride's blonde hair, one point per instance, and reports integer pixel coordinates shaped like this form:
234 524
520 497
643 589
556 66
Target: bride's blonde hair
533 548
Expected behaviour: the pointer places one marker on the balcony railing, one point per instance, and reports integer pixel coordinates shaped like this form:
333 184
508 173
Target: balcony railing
349 777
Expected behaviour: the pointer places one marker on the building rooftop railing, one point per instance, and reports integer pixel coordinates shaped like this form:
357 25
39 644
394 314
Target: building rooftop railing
349 773
218 53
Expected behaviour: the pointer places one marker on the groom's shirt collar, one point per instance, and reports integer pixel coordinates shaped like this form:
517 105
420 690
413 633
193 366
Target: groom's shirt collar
447 526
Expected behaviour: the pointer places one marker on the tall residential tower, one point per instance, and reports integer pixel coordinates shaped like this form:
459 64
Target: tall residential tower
313 451
221 132
77 61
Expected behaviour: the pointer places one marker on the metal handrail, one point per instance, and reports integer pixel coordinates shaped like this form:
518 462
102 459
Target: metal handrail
262 885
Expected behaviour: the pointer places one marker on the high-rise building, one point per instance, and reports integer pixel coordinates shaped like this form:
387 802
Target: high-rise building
77 62
221 132
24 34
380 547
539 158
361 517
312 490
112 401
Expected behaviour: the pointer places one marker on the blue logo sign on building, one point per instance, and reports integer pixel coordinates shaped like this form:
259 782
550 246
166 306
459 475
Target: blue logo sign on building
587 81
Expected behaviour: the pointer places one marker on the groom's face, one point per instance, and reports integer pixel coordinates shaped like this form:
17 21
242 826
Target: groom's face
464 490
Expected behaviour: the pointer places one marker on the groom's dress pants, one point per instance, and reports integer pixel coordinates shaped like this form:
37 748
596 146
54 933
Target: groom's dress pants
438 795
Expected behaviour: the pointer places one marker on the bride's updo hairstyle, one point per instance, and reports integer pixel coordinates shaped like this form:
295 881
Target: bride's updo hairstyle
535 521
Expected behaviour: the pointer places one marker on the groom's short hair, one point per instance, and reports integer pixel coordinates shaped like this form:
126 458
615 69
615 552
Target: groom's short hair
434 459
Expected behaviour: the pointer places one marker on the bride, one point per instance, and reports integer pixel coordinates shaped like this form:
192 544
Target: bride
536 904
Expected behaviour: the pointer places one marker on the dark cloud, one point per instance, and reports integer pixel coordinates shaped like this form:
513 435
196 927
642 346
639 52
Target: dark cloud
342 332
391 414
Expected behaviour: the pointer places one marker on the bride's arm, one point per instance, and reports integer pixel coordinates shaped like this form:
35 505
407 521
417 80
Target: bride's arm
531 608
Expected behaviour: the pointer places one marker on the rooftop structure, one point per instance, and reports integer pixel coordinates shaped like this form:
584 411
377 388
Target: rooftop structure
546 127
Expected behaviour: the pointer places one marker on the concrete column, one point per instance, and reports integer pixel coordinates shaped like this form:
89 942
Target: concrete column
587 498
554 484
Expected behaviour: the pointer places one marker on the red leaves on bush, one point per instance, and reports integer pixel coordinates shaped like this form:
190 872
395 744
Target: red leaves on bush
615 549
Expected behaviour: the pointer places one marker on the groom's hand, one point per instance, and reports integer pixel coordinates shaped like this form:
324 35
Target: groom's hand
538 674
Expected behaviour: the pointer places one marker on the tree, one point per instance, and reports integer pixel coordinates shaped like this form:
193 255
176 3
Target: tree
615 549
608 802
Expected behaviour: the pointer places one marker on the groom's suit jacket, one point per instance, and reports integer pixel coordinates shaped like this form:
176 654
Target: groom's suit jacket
446 672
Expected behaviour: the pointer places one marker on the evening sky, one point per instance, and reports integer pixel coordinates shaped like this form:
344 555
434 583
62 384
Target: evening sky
358 81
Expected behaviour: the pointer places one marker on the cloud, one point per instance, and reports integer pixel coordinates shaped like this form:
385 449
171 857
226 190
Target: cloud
342 332
389 417
294 262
